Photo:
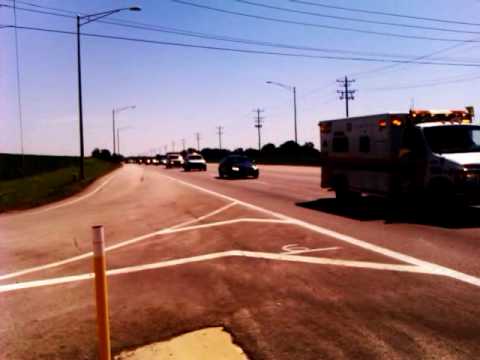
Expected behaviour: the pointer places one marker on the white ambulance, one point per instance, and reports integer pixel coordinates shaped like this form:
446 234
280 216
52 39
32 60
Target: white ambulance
432 155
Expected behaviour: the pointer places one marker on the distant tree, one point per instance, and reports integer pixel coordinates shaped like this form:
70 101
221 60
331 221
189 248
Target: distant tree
289 147
214 154
269 148
96 153
238 151
252 153
105 154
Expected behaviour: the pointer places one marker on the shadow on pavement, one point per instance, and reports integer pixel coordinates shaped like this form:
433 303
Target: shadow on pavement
372 208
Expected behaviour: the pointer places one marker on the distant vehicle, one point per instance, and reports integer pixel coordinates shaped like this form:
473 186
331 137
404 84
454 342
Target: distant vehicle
174 160
155 161
434 155
237 166
148 161
195 161
162 159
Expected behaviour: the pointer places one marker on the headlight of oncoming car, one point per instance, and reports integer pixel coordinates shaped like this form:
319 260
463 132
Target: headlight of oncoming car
254 167
235 168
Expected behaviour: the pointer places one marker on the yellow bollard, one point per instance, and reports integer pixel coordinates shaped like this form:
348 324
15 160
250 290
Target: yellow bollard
101 293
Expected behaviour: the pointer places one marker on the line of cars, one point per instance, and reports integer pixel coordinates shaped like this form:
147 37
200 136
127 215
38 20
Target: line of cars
193 161
232 166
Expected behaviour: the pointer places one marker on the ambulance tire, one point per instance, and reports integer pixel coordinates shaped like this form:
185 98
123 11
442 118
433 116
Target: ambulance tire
440 195
342 193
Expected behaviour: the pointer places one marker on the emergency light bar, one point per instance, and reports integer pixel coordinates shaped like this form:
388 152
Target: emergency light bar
453 116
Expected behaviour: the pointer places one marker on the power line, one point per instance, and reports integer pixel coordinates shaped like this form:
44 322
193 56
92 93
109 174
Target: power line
431 83
426 56
355 19
331 27
259 124
243 50
185 32
37 11
182 32
46 7
346 93
224 38
220 133
384 13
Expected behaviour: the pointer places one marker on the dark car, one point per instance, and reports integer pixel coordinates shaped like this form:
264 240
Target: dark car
237 166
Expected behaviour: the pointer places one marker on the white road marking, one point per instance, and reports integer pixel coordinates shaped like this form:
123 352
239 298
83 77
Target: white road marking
203 217
138 239
434 268
292 249
65 203
218 255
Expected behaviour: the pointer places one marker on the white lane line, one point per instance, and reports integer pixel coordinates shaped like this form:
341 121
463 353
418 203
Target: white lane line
67 203
203 217
89 254
218 255
195 227
138 239
305 251
434 268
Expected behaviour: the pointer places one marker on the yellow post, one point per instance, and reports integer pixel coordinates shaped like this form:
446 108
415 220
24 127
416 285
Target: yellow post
101 293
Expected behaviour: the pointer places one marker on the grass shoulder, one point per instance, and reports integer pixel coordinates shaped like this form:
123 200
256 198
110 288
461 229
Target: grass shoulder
36 190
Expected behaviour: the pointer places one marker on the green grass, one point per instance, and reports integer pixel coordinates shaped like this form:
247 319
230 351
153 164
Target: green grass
43 188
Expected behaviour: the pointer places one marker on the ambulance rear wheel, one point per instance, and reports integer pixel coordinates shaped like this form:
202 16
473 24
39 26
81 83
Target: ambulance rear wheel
342 193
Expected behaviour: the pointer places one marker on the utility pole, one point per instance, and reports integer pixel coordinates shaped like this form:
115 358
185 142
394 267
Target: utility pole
118 141
293 89
114 111
295 112
83 20
113 128
346 93
197 135
165 148
173 146
80 102
258 125
19 90
220 133
183 144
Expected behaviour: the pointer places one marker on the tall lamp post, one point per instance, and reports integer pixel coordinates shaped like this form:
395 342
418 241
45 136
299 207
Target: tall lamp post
114 111
118 136
293 89
83 20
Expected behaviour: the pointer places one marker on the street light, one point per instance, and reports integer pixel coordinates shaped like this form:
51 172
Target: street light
118 136
294 90
83 20
114 111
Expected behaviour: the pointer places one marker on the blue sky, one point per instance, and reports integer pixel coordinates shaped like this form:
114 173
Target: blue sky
181 91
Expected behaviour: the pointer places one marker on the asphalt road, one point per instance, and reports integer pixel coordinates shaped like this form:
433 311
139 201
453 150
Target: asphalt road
277 261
